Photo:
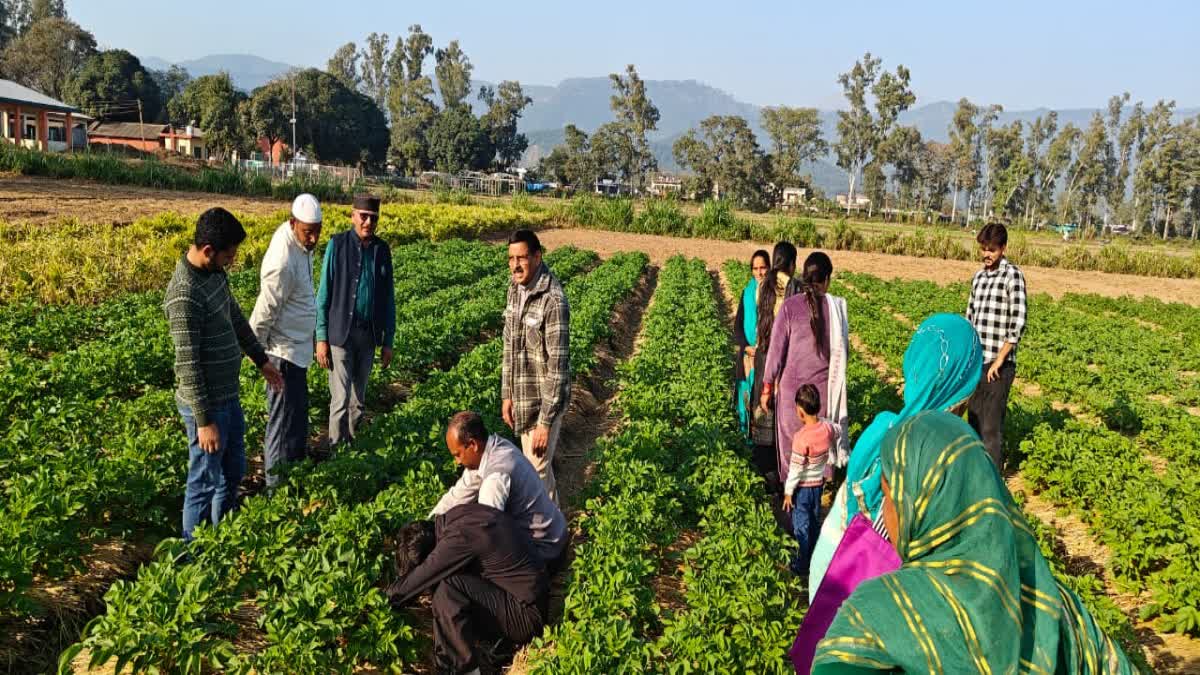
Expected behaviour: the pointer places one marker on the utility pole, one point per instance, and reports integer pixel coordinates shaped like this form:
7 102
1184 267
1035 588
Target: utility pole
293 121
141 125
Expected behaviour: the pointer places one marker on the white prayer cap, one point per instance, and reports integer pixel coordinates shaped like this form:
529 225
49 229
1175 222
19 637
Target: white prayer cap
306 209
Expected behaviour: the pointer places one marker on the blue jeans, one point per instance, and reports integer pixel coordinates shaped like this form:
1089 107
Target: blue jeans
213 479
806 511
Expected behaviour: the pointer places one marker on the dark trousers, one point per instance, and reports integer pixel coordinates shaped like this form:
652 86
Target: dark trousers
350 368
286 437
467 608
806 525
987 408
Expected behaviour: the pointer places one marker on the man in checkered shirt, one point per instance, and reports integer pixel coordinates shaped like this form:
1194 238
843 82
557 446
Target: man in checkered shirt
997 309
535 381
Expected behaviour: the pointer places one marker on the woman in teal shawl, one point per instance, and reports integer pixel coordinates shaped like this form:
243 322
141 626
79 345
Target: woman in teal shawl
974 593
745 334
942 366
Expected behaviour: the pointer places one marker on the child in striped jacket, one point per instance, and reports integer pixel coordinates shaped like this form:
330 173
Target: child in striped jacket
806 475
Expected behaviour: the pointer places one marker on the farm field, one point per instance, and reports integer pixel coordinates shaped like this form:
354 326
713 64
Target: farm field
677 563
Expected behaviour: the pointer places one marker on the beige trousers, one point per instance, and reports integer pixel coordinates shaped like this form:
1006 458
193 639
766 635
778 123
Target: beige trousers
544 464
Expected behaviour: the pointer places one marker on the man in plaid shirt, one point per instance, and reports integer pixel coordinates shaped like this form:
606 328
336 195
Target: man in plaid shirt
997 309
535 381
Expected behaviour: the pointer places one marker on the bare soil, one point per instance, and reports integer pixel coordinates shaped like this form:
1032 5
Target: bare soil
1167 652
589 418
1055 282
32 643
30 199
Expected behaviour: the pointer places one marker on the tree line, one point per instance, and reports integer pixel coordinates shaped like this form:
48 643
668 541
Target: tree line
370 106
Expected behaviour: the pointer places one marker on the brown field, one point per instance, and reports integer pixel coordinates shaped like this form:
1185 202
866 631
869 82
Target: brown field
45 201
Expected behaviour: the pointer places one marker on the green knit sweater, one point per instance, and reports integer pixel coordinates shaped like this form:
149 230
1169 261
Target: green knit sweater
210 334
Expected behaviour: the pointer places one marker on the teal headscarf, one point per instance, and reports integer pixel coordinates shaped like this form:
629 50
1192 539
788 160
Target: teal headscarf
974 594
942 367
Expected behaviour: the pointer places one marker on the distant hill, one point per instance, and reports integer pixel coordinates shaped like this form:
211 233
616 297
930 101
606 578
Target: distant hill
684 103
247 71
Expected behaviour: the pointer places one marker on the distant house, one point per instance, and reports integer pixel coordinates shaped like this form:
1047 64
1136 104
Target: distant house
663 184
33 120
151 138
793 197
612 188
860 201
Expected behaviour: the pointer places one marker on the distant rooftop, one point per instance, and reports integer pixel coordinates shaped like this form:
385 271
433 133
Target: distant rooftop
11 92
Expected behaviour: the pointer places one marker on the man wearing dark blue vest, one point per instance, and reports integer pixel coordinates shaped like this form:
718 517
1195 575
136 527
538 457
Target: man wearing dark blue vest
356 313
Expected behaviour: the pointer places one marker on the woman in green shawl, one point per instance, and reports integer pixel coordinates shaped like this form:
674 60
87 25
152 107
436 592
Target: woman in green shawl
942 366
745 335
974 593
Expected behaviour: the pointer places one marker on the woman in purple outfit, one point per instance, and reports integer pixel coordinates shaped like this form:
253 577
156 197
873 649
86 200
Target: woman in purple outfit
808 346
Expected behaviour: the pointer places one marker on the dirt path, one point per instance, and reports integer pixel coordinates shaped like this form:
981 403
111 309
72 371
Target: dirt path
1055 282
41 200
589 418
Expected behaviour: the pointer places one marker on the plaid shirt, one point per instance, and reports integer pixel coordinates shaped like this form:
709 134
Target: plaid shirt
997 308
537 367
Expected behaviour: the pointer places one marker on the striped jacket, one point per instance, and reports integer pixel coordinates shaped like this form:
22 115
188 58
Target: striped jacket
536 373
210 333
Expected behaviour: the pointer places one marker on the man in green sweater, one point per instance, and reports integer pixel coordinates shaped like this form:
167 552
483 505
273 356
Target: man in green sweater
210 334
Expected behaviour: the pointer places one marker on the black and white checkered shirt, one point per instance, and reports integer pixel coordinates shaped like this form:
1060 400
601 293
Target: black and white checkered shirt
997 308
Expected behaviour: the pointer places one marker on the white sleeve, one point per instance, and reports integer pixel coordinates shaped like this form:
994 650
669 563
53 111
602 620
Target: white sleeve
274 287
465 491
494 491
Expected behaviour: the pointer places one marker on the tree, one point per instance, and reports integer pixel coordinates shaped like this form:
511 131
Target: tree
1009 167
934 169
344 65
1156 127
611 149
636 115
212 102
47 55
410 102
111 84
1125 138
859 131
727 159
453 72
1040 182
375 76
457 142
265 116
500 121
334 123
572 162
1091 172
171 83
795 139
25 13
7 24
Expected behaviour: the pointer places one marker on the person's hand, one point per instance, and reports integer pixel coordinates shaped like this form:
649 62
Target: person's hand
323 354
750 352
765 401
787 503
539 440
993 373
385 355
506 413
273 377
209 437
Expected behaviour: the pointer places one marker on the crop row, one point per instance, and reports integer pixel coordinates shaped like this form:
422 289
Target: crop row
1140 514
95 263
307 560
71 485
674 465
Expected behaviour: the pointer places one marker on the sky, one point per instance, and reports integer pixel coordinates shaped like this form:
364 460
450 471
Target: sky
1018 53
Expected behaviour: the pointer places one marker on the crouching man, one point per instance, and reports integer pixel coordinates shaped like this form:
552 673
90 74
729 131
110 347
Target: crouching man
487 581
496 474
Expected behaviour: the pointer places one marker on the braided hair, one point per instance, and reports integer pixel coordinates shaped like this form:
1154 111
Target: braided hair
818 268
783 261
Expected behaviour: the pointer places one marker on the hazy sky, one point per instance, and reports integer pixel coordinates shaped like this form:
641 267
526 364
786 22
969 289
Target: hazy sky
1019 53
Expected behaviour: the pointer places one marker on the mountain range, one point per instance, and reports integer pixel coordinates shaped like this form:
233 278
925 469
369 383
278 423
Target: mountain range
682 104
